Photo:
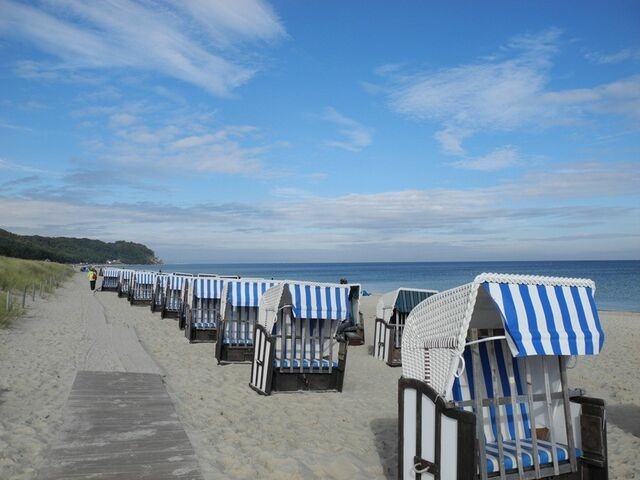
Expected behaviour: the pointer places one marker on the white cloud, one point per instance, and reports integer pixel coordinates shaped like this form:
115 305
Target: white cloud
615 57
530 212
121 120
507 92
129 34
355 136
498 159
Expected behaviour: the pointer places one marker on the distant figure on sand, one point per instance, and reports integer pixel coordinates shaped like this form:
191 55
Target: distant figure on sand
93 275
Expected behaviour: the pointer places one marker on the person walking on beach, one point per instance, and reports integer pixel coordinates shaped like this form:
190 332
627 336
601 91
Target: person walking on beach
93 276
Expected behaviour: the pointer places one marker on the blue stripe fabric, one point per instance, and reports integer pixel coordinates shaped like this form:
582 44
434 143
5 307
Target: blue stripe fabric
548 320
208 288
247 293
321 301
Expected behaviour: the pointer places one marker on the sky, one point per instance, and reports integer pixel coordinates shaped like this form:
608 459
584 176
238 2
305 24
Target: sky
324 131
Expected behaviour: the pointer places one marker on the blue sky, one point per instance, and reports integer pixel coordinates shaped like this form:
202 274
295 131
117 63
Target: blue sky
243 131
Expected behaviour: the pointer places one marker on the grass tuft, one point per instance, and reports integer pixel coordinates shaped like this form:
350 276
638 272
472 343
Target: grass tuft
17 274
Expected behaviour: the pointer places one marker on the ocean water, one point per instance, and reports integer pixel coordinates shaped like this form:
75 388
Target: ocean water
617 282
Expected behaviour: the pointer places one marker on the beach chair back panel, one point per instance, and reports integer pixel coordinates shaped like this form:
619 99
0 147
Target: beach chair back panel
548 319
241 311
263 358
239 326
206 310
508 424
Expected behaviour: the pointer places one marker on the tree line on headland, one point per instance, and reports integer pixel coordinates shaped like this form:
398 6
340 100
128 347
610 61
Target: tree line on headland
74 250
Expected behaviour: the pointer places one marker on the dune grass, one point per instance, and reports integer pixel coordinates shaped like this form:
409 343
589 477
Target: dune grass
17 274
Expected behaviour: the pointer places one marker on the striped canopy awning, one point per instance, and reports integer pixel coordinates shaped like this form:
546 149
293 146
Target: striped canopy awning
176 282
126 274
111 272
162 279
409 298
207 287
145 278
548 318
247 293
321 301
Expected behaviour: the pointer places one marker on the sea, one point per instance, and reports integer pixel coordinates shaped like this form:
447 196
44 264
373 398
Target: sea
617 282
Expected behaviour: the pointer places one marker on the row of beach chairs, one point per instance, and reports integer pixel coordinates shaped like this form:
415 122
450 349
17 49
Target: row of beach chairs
298 346
484 391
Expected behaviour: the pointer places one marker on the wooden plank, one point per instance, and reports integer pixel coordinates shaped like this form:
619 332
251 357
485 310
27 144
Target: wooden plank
120 425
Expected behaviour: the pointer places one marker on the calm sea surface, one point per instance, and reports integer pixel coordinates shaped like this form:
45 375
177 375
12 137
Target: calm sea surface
617 282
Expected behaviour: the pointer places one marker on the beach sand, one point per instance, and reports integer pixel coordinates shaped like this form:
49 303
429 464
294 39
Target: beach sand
237 433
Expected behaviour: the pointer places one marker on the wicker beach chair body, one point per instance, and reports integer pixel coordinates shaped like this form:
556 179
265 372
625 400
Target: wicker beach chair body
296 342
238 315
142 288
392 311
173 295
110 279
203 309
484 391
158 292
124 282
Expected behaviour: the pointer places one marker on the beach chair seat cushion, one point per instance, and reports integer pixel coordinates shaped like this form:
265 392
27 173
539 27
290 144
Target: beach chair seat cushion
526 446
203 325
286 363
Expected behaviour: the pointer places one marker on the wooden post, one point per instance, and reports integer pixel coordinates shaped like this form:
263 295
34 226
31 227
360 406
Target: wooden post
24 296
8 301
33 295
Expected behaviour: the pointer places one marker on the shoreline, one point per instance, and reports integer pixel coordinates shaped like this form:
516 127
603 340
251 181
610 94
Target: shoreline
235 432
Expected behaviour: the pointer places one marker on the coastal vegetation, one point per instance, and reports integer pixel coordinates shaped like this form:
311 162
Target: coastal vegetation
26 278
74 250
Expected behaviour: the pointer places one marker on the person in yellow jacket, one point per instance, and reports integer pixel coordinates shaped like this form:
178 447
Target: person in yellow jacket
93 276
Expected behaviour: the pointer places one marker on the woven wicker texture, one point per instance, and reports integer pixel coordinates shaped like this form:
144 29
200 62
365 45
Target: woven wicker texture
435 333
269 304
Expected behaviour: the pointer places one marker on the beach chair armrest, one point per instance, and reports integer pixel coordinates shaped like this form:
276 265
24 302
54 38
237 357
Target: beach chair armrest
593 429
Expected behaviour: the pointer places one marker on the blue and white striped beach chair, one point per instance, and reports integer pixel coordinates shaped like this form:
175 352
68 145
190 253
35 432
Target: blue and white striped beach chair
142 286
392 311
159 291
203 309
484 392
110 279
124 283
238 316
173 295
296 341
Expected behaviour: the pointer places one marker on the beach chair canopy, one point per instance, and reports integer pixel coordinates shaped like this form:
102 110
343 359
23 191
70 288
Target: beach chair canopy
126 274
145 278
312 301
402 300
176 282
539 315
207 288
245 293
111 272
162 279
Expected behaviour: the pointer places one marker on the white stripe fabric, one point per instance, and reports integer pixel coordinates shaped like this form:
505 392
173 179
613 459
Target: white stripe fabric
321 301
145 278
548 319
247 293
208 288
176 282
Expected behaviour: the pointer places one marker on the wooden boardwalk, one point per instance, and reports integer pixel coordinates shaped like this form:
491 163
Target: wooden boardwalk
120 425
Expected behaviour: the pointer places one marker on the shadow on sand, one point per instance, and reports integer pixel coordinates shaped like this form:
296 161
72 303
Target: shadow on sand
385 431
626 417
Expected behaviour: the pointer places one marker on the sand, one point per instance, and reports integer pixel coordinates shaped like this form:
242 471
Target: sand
237 433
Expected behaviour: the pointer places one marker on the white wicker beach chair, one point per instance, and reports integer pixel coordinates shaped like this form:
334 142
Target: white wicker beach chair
238 315
124 282
296 341
110 279
142 286
203 309
172 295
392 311
484 391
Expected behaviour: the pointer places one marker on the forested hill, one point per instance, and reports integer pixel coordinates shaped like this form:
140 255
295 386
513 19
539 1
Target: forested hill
74 250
